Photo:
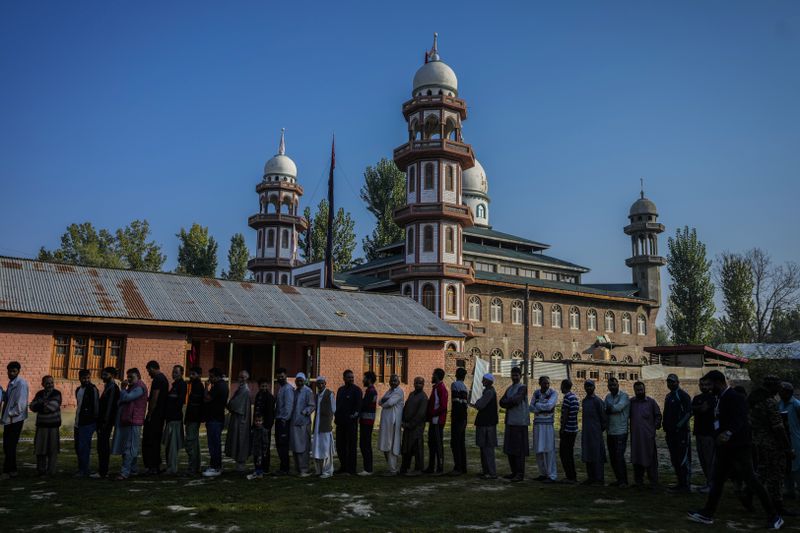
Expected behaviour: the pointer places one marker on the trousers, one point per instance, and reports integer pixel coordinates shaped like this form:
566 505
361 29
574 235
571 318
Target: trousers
365 443
11 433
705 452
617 444
488 465
282 443
736 461
346 447
214 436
103 449
83 446
680 454
192 446
416 452
566 450
435 447
458 444
152 433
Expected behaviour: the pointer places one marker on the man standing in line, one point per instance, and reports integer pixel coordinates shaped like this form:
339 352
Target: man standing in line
389 435
173 418
486 427
437 416
458 422
86 412
790 407
214 414
703 410
414 414
46 442
284 406
570 406
264 407
194 416
237 441
595 422
153 430
109 402
322 441
645 421
15 411
349 399
543 406
366 421
677 412
734 453
515 441
300 428
618 411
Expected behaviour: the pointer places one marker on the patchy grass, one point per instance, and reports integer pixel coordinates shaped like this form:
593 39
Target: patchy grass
231 503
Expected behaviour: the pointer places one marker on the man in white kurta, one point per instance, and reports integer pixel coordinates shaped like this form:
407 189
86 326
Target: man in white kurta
300 424
543 405
322 437
389 438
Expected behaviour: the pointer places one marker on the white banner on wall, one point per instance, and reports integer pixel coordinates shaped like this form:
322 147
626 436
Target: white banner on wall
481 368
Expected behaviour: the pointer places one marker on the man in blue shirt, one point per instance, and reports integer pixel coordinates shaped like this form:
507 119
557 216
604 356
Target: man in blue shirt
618 407
569 431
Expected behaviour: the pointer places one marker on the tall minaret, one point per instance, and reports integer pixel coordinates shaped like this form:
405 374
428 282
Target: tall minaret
278 222
433 159
645 263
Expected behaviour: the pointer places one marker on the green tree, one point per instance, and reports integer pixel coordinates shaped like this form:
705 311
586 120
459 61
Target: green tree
735 280
384 190
786 326
238 256
344 237
776 288
197 252
690 311
136 251
662 336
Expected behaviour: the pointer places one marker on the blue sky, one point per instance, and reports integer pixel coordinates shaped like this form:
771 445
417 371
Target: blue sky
111 111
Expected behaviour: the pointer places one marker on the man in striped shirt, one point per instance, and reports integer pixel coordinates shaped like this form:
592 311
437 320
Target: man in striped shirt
569 431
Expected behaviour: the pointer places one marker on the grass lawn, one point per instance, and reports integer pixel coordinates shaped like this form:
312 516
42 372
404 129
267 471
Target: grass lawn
231 503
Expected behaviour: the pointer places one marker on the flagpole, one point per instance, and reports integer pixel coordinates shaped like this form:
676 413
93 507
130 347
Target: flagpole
329 236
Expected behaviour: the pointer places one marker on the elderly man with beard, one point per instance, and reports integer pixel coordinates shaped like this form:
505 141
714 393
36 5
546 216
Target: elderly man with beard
300 424
645 421
515 441
389 434
414 414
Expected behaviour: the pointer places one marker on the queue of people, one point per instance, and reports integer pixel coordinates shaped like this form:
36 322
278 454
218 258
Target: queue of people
750 439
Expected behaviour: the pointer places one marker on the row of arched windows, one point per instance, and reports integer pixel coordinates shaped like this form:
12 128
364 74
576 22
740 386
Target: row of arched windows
497 355
427 239
556 316
268 238
268 277
428 292
428 178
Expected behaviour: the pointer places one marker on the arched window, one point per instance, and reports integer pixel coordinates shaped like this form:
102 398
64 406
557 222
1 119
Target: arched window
558 356
432 129
451 300
412 179
427 240
628 359
449 182
270 238
591 320
408 291
626 323
641 325
284 279
555 316
480 211
449 244
516 312
644 360
576 356
496 311
497 358
475 351
537 314
538 356
574 318
285 238
474 308
609 322
429 298
613 358
428 176
410 241
268 277
450 347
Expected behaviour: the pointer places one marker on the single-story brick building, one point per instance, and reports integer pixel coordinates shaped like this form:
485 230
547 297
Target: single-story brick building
57 319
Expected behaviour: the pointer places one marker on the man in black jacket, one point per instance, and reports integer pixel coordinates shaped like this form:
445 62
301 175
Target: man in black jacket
193 417
88 408
734 452
677 412
264 407
109 399
348 403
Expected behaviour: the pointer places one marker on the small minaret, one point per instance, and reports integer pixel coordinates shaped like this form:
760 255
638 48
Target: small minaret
278 222
645 263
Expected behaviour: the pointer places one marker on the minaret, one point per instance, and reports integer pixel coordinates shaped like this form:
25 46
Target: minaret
433 159
645 263
476 194
278 222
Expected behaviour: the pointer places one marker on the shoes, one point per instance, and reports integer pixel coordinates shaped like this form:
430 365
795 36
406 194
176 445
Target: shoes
509 476
96 475
588 482
254 475
120 477
389 474
548 480
541 478
569 481
488 476
455 472
305 474
212 472
776 522
517 479
325 476
364 473
679 489
700 518
704 489
413 473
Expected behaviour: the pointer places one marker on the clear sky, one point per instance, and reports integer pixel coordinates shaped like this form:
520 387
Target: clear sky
111 111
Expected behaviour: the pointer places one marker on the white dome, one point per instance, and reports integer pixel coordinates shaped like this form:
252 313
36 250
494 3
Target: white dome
435 74
281 165
474 179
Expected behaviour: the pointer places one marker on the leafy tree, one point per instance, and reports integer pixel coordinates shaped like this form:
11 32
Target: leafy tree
776 288
237 259
344 237
384 190
127 247
662 336
735 280
786 326
197 252
691 308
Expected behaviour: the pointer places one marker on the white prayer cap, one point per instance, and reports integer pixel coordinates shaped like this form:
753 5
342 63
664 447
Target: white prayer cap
488 377
322 378
300 375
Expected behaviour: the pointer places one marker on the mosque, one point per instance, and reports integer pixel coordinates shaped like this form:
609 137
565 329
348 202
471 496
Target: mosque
457 265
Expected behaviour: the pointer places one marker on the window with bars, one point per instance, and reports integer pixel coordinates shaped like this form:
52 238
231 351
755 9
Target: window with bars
509 270
412 178
516 312
537 314
385 362
580 374
73 353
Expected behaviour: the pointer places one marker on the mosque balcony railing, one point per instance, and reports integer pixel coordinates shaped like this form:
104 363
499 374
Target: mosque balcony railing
434 270
267 219
434 211
279 185
435 100
434 148
645 259
636 227
270 262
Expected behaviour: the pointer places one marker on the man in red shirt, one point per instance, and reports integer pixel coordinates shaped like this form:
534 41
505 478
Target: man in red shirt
437 416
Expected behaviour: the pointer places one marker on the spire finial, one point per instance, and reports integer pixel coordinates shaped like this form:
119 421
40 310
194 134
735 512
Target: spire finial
282 145
434 53
641 183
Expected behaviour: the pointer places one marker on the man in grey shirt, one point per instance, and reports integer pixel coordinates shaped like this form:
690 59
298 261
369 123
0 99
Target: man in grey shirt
618 407
15 411
284 405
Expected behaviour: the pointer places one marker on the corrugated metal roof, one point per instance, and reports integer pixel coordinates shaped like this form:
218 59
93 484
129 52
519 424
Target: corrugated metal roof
487 233
763 350
560 285
541 259
28 286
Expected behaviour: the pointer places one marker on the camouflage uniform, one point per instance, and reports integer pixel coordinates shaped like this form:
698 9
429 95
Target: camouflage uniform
770 453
